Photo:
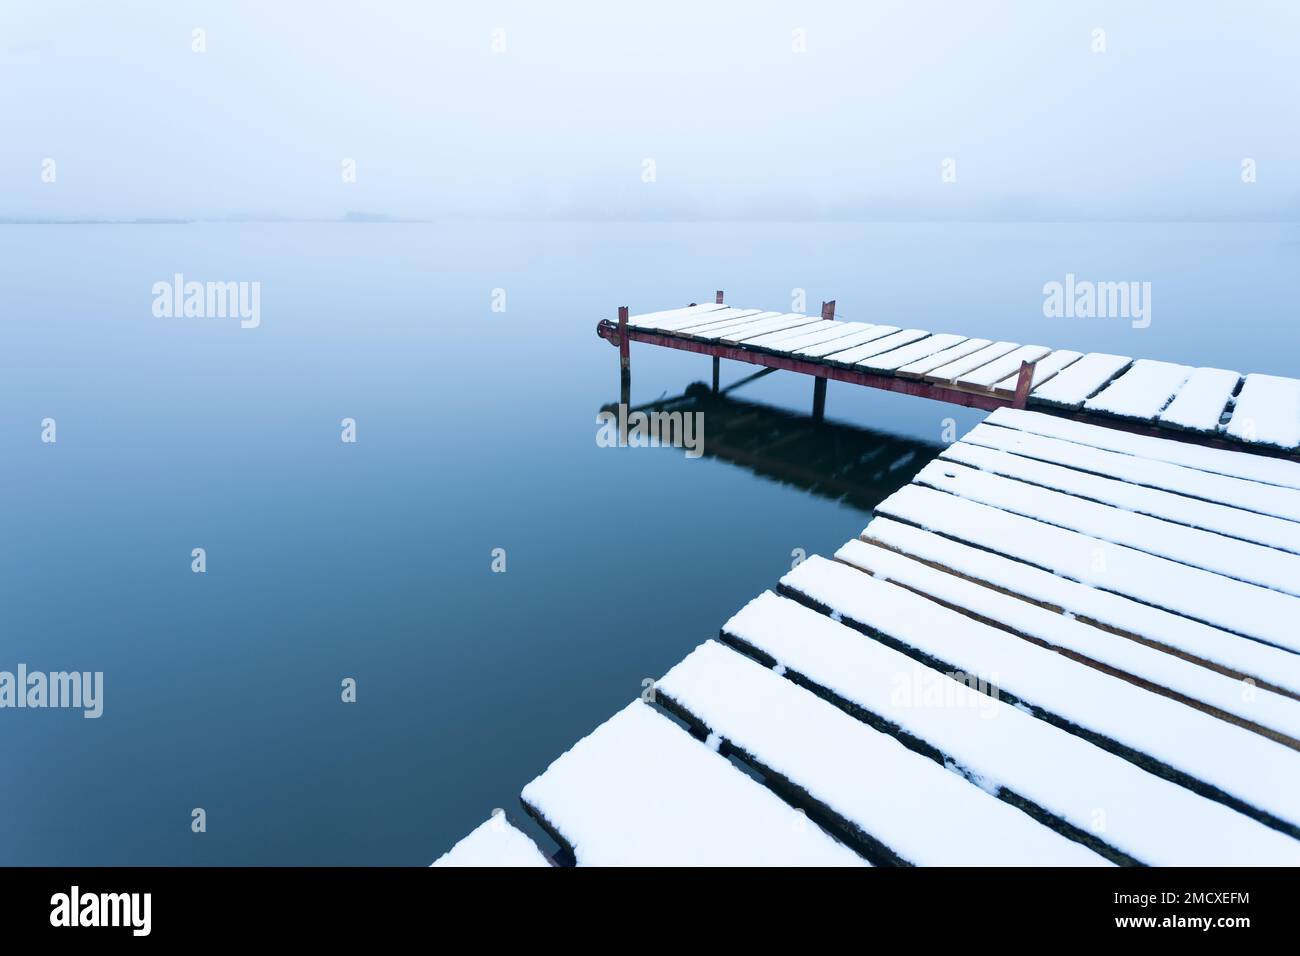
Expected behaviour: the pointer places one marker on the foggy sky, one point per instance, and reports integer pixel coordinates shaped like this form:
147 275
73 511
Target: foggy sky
737 123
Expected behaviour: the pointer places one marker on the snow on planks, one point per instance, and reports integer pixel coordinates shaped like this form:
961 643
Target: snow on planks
1065 778
1250 772
494 842
641 791
898 803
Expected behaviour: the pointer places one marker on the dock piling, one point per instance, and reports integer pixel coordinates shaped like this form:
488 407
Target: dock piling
1022 384
828 310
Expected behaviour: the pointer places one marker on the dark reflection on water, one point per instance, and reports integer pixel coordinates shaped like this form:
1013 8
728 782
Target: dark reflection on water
846 463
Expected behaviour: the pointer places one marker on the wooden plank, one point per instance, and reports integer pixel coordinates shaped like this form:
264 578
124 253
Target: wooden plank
1221 761
785 335
980 451
1273 715
778 324
1242 494
931 362
988 375
715 314
1243 561
1076 384
718 320
828 334
1142 392
1200 403
1267 412
1045 369
1274 471
713 331
495 842
905 355
856 354
669 317
968 363
1149 819
881 794
1209 646
869 334
1201 595
640 791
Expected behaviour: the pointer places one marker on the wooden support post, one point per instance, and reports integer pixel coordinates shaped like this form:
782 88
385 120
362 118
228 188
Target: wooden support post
624 345
828 309
717 362
819 398
1023 383
718 299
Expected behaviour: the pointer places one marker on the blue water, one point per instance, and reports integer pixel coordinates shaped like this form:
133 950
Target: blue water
476 430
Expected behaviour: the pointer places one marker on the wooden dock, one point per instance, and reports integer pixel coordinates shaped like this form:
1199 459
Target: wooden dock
1207 406
1061 644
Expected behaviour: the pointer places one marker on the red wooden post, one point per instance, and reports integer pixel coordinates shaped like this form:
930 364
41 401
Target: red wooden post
1023 383
624 346
828 309
718 297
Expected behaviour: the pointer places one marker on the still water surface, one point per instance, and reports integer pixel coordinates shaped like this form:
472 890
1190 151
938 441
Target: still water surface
476 430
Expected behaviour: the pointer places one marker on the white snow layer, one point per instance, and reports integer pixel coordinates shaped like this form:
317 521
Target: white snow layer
1199 404
1141 392
494 842
1073 385
1252 768
908 802
1267 411
640 791
1152 820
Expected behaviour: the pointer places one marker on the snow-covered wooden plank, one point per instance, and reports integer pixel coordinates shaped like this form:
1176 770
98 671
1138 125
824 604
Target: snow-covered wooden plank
856 354
1242 494
1274 471
667 318
989 374
718 321
1272 713
1266 530
1237 656
714 316
494 842
758 323
1199 404
1074 385
1045 368
770 339
1142 392
640 791
778 324
1234 559
897 358
840 343
923 813
1255 772
1148 818
1202 595
1267 412
968 363
836 330
930 362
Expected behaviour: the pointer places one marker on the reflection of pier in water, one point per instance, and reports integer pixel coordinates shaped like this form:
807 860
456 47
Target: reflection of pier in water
859 466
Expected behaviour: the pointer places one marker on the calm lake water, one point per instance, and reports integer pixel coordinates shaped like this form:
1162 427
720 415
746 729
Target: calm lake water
476 430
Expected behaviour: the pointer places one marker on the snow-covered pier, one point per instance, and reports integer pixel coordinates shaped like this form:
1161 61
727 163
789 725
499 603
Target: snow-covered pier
1061 644
1208 406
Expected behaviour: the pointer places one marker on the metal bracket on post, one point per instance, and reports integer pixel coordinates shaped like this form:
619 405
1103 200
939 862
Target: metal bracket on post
828 310
1023 384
